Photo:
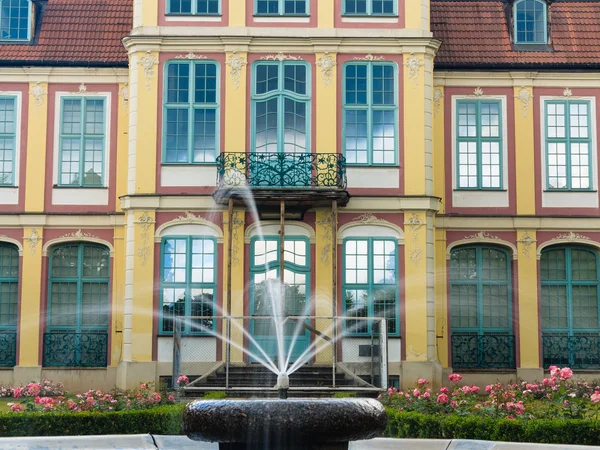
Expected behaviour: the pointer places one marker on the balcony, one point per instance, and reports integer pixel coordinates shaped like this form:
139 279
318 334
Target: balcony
487 351
70 349
581 351
299 179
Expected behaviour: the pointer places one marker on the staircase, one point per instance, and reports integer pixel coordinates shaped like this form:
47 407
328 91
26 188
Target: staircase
257 381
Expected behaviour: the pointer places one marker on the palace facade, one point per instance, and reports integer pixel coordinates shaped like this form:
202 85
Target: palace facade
432 163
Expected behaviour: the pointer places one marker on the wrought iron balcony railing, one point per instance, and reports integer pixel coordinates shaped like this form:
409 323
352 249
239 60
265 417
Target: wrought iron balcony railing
581 351
69 349
282 170
8 348
487 351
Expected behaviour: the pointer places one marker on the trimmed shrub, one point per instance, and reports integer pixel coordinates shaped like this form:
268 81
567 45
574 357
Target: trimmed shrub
214 395
159 420
415 425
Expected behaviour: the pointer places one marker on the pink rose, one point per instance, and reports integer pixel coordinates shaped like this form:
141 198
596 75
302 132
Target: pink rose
566 373
17 392
454 377
453 404
426 395
34 389
444 390
16 407
554 371
90 401
595 397
474 389
442 398
417 393
422 381
171 398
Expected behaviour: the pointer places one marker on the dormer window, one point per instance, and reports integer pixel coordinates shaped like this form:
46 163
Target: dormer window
530 22
15 20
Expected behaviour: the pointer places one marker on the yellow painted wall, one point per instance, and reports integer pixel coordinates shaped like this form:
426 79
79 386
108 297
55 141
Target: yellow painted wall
143 286
324 279
235 104
118 295
528 300
524 145
326 13
439 169
441 298
414 128
29 320
122 144
416 14
415 278
326 103
147 117
237 13
150 13
35 168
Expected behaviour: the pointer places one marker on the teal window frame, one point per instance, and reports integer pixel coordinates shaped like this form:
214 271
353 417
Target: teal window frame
8 156
194 10
12 7
370 286
191 106
369 11
9 286
187 285
569 282
480 283
281 10
281 94
516 23
83 137
567 141
479 140
79 279
370 108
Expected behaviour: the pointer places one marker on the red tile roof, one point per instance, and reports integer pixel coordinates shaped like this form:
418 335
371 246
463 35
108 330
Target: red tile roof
476 34
76 32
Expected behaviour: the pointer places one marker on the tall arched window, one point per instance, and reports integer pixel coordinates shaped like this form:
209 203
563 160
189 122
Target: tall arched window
15 20
481 308
78 306
530 22
9 303
570 280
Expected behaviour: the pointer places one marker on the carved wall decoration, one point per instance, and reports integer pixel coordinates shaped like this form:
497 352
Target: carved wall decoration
368 218
369 57
414 64
524 96
326 63
327 223
82 90
567 93
38 92
148 62
236 63
280 57
570 237
438 95
145 222
124 94
414 223
527 242
33 240
478 92
191 56
237 224
482 236
79 235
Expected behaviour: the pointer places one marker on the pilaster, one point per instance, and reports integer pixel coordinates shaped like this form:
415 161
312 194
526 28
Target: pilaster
441 299
326 101
235 101
122 142
31 293
439 117
524 150
528 325
324 248
35 162
326 13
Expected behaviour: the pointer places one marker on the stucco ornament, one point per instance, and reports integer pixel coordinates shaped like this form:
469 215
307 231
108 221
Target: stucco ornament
438 95
567 93
124 94
524 96
148 61
326 63
280 57
571 237
527 242
236 64
414 64
328 223
79 235
237 224
145 222
369 57
38 92
415 223
478 92
482 236
33 240
82 90
368 218
191 56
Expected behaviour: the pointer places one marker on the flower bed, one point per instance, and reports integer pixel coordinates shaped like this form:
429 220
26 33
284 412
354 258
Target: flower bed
557 410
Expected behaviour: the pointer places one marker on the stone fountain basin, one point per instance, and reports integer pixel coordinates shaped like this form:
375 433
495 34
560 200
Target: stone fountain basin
294 423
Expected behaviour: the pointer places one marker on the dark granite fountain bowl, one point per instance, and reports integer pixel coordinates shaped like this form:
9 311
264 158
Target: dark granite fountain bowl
284 424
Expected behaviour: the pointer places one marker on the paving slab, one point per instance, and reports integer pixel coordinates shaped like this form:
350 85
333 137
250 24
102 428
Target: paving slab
182 443
460 444
401 444
116 442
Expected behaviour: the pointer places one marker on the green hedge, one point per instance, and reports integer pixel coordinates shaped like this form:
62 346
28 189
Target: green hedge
159 420
403 424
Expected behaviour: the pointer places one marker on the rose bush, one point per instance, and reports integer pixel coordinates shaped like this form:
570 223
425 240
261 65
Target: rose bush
555 397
